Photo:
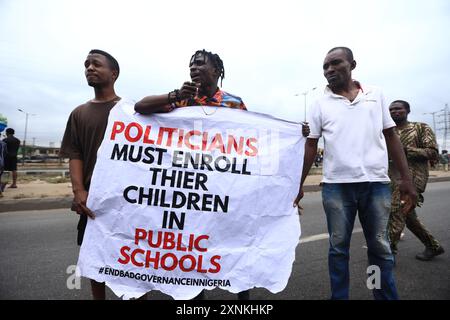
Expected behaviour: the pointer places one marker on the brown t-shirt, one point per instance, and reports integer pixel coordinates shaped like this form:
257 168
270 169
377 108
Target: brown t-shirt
13 145
84 134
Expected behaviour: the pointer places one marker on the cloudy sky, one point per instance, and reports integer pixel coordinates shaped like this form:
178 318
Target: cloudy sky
272 50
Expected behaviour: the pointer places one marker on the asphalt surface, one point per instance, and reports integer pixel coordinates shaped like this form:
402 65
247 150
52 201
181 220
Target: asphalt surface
37 248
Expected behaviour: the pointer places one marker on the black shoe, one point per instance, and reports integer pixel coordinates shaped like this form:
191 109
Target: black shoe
429 253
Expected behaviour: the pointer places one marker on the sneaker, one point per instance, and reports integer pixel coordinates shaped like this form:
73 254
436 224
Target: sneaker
429 253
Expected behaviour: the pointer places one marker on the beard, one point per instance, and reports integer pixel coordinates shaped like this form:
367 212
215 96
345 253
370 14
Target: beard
95 84
399 119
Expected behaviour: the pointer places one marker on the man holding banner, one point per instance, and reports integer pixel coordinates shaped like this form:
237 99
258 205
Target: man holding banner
84 133
358 132
205 70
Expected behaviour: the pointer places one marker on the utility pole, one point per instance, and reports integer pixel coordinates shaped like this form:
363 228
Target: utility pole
445 125
444 113
25 138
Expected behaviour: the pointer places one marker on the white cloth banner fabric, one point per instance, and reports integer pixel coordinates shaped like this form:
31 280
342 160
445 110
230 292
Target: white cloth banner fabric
194 199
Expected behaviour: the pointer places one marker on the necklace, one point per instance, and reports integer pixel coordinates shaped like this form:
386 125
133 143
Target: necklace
209 114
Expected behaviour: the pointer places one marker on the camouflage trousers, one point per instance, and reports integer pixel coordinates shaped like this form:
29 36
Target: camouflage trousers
398 221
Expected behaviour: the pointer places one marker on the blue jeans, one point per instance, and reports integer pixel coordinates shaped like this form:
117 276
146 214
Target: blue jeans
372 201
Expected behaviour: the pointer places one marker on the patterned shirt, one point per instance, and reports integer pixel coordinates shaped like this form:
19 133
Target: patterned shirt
419 143
220 99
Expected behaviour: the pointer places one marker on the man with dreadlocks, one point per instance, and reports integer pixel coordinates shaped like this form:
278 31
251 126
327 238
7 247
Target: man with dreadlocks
205 68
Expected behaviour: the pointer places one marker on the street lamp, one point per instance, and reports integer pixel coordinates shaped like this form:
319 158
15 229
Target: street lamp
25 138
305 94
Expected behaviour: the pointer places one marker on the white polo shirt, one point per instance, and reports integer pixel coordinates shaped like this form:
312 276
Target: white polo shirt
354 145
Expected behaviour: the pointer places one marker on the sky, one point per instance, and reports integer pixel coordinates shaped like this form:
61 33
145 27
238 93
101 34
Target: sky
272 52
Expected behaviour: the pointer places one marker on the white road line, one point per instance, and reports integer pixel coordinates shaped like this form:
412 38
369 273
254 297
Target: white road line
322 236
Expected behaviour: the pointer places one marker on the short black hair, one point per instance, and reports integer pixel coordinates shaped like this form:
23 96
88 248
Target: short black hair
10 131
214 58
404 103
111 60
347 51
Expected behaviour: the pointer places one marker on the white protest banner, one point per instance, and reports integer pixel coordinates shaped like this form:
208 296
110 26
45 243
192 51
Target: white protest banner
197 198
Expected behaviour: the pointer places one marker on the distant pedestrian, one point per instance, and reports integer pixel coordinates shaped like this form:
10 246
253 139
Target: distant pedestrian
419 145
444 159
12 145
2 164
318 160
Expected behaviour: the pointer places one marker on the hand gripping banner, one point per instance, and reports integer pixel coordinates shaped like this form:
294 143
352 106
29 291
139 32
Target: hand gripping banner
194 199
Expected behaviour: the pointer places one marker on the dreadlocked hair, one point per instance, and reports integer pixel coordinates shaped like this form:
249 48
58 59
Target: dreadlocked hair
215 59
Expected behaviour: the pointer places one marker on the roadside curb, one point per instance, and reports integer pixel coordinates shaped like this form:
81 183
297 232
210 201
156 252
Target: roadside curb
61 203
35 204
438 179
318 187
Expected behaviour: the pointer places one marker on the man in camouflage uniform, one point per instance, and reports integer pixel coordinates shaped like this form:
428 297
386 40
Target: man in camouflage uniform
420 146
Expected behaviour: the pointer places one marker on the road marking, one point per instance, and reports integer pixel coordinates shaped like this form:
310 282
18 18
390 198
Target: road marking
323 236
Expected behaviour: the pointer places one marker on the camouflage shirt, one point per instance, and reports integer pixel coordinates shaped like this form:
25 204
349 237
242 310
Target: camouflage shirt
419 143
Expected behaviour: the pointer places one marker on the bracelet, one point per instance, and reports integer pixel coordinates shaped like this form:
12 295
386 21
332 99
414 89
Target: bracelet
174 96
171 97
177 95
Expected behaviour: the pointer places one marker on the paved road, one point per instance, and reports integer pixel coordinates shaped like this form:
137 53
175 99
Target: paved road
36 248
